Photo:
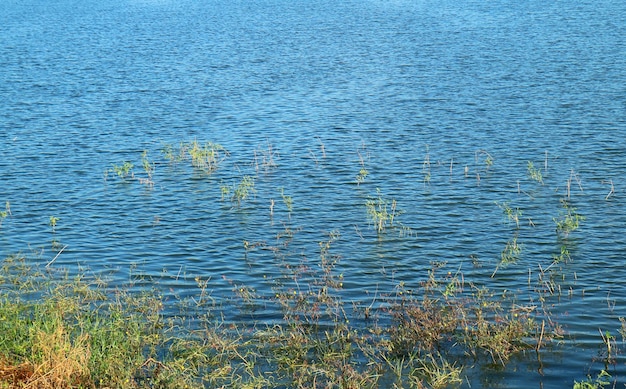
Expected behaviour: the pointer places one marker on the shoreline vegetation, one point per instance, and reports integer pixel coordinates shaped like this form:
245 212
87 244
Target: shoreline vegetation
62 331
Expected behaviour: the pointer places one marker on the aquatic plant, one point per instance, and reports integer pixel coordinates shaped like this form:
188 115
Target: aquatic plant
7 212
573 176
568 221
511 251
265 158
204 156
53 222
611 191
123 171
148 168
512 215
79 334
602 380
381 212
287 200
224 190
363 172
563 256
534 173
243 190
207 156
488 159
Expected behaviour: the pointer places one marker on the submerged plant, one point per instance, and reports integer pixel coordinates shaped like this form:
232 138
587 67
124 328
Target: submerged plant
243 190
204 156
563 256
148 168
207 156
534 173
288 200
568 220
363 173
4 214
123 171
53 222
602 379
381 212
265 158
511 251
512 215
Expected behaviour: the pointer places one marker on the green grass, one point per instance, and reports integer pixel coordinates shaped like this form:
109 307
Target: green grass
62 332
79 332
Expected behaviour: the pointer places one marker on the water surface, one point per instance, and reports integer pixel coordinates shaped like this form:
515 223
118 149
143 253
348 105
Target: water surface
404 89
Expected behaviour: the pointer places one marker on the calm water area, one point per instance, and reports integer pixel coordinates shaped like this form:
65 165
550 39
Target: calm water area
443 103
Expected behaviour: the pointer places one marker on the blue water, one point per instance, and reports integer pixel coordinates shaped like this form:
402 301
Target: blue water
405 89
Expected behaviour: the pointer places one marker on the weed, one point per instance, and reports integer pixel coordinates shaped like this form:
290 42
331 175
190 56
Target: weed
622 329
488 159
511 252
124 171
380 212
563 256
610 346
265 159
7 212
534 173
602 379
360 178
512 215
243 190
148 168
288 200
568 220
437 371
224 190
206 157
52 222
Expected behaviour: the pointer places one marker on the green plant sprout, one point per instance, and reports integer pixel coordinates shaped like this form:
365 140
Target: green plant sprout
7 212
224 190
53 222
568 221
380 212
124 171
206 157
243 190
488 161
534 173
288 200
511 252
512 215
148 168
601 380
363 173
564 256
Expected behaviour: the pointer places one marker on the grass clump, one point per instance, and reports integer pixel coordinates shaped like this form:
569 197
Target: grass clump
61 332
123 171
602 380
568 221
534 173
204 156
382 213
